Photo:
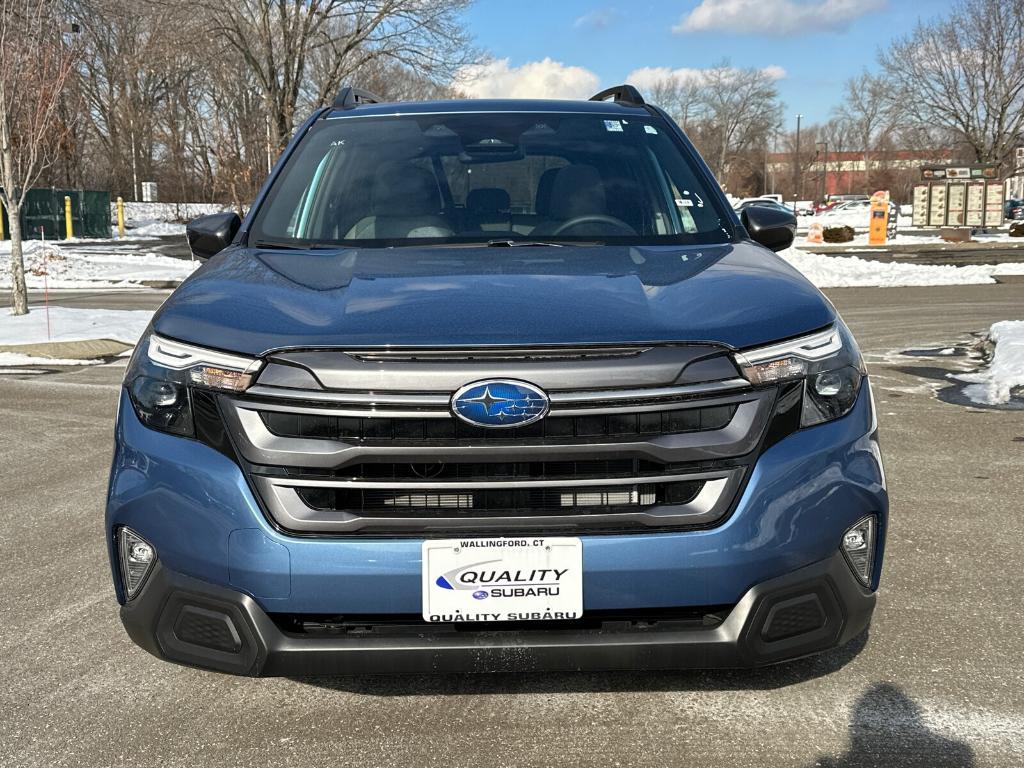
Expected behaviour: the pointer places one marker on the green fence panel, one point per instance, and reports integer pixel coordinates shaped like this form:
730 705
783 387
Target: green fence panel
42 214
95 214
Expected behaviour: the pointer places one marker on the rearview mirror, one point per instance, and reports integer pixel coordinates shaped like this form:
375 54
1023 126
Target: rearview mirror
209 235
771 227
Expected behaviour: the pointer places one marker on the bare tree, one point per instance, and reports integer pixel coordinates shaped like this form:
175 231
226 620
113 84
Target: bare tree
681 96
130 64
36 60
283 42
867 110
741 107
965 74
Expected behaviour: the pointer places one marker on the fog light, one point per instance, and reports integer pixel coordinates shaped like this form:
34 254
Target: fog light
137 557
859 548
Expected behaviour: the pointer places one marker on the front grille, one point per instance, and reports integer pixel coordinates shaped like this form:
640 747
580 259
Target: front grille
635 446
501 502
442 430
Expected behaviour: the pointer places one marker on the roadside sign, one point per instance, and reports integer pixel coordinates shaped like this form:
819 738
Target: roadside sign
937 206
994 200
879 226
959 172
920 216
956 200
976 203
975 215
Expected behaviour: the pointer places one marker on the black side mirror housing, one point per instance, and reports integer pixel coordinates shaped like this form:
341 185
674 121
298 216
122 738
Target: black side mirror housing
209 235
772 227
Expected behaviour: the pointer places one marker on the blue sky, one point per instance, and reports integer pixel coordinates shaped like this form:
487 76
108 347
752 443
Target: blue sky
818 43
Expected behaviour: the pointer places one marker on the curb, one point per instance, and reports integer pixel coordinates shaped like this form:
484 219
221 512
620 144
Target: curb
86 349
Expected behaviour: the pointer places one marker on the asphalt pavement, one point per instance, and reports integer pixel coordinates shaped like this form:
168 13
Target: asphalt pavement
939 680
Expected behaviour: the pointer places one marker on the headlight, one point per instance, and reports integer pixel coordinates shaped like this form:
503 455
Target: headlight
162 372
828 362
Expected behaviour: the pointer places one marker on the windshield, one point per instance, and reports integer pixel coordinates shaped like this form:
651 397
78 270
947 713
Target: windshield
488 177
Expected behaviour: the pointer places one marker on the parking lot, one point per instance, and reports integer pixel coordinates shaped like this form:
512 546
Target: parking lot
939 682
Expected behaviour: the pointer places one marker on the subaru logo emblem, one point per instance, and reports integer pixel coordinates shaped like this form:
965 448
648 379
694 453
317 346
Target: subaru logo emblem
500 403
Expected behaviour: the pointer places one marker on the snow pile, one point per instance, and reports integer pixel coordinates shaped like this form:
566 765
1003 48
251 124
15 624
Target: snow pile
151 229
908 237
850 271
69 324
1005 372
64 266
16 359
137 214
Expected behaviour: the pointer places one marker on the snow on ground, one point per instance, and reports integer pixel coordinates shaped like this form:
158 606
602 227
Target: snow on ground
140 213
909 237
64 266
70 324
849 271
151 229
16 359
1005 373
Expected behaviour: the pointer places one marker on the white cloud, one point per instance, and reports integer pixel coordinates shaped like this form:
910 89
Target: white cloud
545 79
775 17
601 18
647 77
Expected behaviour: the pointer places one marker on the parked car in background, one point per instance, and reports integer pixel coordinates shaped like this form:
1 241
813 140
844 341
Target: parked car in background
857 214
746 202
1013 209
803 208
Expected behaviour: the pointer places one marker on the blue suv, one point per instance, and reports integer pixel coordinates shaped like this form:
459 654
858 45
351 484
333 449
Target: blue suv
491 385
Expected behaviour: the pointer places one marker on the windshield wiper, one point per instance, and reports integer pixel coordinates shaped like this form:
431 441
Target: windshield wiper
295 245
523 244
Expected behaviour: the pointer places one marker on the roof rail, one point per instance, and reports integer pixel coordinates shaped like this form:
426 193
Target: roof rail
349 98
627 94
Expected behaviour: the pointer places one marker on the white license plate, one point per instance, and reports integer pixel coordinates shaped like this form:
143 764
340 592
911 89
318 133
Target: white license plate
526 579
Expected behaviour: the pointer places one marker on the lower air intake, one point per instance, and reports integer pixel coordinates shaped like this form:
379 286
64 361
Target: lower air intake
794 617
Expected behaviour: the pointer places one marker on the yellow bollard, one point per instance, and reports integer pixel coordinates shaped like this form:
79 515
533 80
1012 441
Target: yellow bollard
120 218
69 230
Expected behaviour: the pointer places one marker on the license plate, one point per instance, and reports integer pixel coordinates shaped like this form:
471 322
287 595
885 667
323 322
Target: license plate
529 579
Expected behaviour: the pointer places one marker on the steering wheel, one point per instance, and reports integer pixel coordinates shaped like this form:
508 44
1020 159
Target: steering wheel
593 218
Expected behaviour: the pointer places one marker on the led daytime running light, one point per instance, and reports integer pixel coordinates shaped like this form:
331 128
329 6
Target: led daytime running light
206 367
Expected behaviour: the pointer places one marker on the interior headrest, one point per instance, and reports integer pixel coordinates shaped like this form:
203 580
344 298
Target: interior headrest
542 203
577 191
488 200
405 190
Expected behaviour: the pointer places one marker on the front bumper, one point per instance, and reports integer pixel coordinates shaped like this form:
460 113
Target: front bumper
812 609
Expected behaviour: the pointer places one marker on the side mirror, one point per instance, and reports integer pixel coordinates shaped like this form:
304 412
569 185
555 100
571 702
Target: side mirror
209 235
771 227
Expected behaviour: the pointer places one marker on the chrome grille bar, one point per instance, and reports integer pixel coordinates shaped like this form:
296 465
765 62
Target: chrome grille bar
436 405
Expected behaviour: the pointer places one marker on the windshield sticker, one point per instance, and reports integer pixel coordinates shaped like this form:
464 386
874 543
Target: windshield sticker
613 125
681 203
651 129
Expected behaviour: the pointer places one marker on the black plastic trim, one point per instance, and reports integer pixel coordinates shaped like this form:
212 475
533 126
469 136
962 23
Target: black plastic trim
624 94
267 651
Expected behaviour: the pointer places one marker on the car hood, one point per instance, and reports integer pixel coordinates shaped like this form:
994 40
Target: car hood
252 301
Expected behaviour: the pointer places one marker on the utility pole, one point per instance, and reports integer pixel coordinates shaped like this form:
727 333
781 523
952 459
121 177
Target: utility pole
799 180
824 169
135 173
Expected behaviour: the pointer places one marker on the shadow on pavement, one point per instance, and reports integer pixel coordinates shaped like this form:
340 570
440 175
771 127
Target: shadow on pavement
886 728
527 682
